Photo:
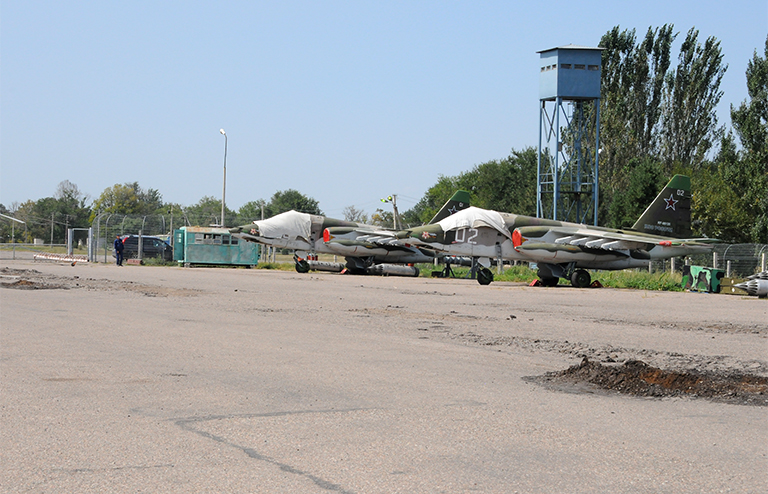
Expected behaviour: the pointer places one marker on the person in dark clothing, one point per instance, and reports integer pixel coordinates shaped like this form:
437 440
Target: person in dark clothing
119 250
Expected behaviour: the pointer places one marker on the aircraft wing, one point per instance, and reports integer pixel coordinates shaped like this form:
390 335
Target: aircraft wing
595 238
363 237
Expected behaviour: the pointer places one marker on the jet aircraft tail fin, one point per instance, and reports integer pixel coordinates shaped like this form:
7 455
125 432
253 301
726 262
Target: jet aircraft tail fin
670 213
457 202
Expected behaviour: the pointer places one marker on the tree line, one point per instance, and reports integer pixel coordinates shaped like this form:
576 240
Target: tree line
657 118
49 218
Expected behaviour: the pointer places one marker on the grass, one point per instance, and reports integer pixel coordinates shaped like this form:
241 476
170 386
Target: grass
642 280
158 261
279 266
637 279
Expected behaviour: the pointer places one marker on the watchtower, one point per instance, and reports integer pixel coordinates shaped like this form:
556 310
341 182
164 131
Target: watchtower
569 123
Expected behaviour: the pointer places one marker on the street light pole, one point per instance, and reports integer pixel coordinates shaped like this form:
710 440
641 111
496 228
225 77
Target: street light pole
224 187
396 216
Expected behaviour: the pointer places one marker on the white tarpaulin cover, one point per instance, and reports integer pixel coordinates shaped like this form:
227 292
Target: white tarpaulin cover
473 217
290 224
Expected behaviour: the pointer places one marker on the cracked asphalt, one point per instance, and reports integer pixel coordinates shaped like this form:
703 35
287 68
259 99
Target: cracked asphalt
157 379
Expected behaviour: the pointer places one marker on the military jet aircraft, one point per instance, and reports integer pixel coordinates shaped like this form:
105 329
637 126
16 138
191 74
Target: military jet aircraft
362 245
566 250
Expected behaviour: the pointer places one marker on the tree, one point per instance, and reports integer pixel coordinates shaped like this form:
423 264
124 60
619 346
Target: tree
750 119
384 219
433 200
206 212
251 211
128 198
632 87
748 172
50 217
644 177
351 213
287 200
69 192
689 121
507 185
6 228
716 208
72 205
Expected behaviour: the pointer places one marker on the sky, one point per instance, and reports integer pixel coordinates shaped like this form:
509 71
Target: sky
345 101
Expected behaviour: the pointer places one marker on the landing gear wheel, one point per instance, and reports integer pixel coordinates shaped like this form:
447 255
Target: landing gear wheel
484 276
581 278
302 266
549 281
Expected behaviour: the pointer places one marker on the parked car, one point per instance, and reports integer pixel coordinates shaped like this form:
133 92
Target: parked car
151 247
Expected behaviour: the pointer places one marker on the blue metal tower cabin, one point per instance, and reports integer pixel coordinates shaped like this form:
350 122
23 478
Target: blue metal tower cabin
569 119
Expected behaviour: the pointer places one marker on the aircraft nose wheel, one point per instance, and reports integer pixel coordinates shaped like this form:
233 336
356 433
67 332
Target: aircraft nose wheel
581 278
485 276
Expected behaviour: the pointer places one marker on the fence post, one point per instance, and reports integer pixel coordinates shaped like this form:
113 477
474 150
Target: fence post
728 268
672 265
70 241
762 263
714 260
91 246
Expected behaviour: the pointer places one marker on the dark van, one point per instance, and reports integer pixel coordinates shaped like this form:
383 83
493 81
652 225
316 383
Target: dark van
151 247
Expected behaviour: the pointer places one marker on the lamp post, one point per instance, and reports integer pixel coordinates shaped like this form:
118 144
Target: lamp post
224 187
396 216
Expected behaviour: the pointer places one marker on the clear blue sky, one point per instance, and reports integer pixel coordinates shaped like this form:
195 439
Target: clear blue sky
345 101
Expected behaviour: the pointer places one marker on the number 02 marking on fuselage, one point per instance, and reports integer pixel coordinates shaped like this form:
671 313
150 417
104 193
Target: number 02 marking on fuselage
461 235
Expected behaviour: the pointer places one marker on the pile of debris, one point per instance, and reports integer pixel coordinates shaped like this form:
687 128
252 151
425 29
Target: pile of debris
637 378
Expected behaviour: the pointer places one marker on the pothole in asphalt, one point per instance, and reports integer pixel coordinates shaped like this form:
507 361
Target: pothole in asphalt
636 378
23 284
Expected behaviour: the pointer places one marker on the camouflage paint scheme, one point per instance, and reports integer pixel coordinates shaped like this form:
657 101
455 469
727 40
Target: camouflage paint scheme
361 245
562 249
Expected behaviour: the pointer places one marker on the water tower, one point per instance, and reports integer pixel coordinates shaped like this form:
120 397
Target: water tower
569 133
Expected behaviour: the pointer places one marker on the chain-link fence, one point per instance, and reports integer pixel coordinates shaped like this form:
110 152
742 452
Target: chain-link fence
108 225
738 260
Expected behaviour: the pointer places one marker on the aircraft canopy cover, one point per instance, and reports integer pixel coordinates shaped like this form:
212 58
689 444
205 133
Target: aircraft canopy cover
473 217
291 224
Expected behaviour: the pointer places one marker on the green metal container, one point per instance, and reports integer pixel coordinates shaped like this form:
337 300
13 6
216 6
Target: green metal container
702 279
207 245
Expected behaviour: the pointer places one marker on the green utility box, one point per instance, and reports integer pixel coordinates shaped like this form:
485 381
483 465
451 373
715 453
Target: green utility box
207 245
702 279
